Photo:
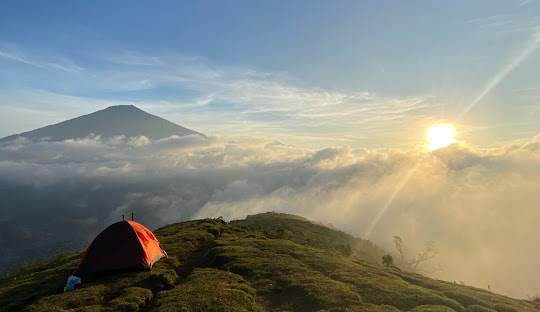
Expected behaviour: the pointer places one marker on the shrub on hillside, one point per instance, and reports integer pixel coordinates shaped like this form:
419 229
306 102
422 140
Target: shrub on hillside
387 260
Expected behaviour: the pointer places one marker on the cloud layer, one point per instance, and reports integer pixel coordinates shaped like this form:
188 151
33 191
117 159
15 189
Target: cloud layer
480 206
195 93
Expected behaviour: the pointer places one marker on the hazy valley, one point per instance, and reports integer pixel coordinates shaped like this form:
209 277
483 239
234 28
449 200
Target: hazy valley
57 195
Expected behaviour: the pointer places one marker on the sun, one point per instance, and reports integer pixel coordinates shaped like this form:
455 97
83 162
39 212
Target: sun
440 136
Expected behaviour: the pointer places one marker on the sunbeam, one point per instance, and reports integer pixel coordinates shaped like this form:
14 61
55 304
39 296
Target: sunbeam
398 188
531 46
515 62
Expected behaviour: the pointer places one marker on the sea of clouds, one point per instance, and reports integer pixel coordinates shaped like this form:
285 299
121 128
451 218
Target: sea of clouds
479 206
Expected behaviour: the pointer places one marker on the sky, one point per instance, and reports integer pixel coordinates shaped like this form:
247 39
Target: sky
314 108
308 73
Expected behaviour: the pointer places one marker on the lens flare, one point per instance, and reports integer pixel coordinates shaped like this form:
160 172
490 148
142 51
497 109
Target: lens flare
514 62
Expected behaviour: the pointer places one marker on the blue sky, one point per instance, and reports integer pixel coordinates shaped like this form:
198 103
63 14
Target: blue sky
309 73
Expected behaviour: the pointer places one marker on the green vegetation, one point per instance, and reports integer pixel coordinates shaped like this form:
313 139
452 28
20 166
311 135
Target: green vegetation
212 290
387 260
268 262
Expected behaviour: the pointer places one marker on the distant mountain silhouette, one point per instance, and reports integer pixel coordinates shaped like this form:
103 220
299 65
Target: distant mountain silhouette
118 120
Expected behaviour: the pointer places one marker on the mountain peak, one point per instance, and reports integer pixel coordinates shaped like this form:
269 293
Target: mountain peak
127 120
126 108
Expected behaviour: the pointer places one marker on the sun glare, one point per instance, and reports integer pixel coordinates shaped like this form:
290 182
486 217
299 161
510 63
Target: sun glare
440 136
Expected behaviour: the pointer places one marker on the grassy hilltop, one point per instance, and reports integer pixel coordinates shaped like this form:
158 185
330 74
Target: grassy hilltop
268 262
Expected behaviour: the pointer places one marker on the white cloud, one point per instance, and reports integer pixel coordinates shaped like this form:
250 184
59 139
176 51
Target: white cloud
526 2
213 100
478 205
12 52
508 24
302 116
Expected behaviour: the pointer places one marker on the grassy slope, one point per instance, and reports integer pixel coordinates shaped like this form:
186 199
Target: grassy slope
268 262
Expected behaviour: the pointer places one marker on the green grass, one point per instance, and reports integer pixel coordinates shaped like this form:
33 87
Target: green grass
268 262
207 290
307 233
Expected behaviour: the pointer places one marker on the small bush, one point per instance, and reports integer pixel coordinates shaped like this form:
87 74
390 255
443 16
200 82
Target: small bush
477 308
387 260
131 299
501 307
345 250
209 290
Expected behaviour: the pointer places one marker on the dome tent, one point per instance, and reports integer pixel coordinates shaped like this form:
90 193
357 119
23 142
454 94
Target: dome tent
123 245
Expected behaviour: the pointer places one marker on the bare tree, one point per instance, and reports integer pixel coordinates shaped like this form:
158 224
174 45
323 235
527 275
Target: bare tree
399 245
430 252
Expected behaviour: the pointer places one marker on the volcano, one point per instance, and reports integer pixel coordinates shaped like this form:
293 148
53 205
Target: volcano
126 120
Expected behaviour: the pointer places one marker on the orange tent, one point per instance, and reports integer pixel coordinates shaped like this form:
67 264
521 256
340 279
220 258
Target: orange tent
124 245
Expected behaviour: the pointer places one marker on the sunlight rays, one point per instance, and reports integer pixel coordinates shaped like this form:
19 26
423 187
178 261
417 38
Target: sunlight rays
381 212
527 51
531 46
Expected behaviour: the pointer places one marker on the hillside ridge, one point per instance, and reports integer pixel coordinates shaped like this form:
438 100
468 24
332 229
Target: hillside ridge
266 262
